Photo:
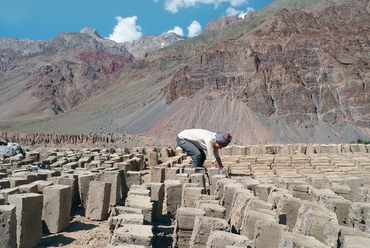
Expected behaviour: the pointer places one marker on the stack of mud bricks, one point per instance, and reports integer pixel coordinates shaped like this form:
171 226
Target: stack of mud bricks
294 195
28 215
40 201
132 224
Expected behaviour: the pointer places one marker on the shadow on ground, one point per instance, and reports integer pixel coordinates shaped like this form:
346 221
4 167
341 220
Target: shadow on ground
163 231
55 240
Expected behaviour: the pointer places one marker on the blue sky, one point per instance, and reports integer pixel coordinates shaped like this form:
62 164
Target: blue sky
119 20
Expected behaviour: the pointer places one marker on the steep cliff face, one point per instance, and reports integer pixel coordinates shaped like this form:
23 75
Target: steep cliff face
300 67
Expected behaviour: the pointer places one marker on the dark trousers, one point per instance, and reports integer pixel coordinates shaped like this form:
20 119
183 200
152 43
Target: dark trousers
197 155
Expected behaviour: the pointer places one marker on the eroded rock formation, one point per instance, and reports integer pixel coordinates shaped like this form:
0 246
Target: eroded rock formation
299 66
40 139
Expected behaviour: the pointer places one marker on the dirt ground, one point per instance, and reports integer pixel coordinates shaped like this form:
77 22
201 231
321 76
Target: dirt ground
85 233
81 232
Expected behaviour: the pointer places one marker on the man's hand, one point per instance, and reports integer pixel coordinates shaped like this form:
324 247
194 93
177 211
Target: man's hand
217 164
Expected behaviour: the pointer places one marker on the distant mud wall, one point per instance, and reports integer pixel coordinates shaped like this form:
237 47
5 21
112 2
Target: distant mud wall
28 139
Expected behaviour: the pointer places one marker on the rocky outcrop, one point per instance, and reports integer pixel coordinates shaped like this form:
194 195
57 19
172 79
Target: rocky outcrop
222 23
105 62
302 67
140 48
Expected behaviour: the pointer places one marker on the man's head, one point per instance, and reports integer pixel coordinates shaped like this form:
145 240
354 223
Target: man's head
223 139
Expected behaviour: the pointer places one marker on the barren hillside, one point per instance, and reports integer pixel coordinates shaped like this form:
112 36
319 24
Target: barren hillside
291 72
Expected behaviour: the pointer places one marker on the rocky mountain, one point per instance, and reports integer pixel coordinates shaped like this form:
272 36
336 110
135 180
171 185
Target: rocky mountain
45 78
295 71
142 46
149 43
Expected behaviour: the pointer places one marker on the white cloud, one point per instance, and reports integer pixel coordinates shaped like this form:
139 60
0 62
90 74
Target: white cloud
238 2
194 29
177 30
126 30
173 6
240 13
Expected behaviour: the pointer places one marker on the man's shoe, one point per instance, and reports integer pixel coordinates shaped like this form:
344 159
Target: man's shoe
223 171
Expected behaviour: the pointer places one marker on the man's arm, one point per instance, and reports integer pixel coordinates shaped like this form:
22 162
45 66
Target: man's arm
218 163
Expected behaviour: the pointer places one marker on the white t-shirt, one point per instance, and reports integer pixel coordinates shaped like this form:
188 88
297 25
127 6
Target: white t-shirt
202 139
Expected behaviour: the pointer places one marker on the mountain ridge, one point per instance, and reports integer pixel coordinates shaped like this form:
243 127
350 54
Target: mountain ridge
297 76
